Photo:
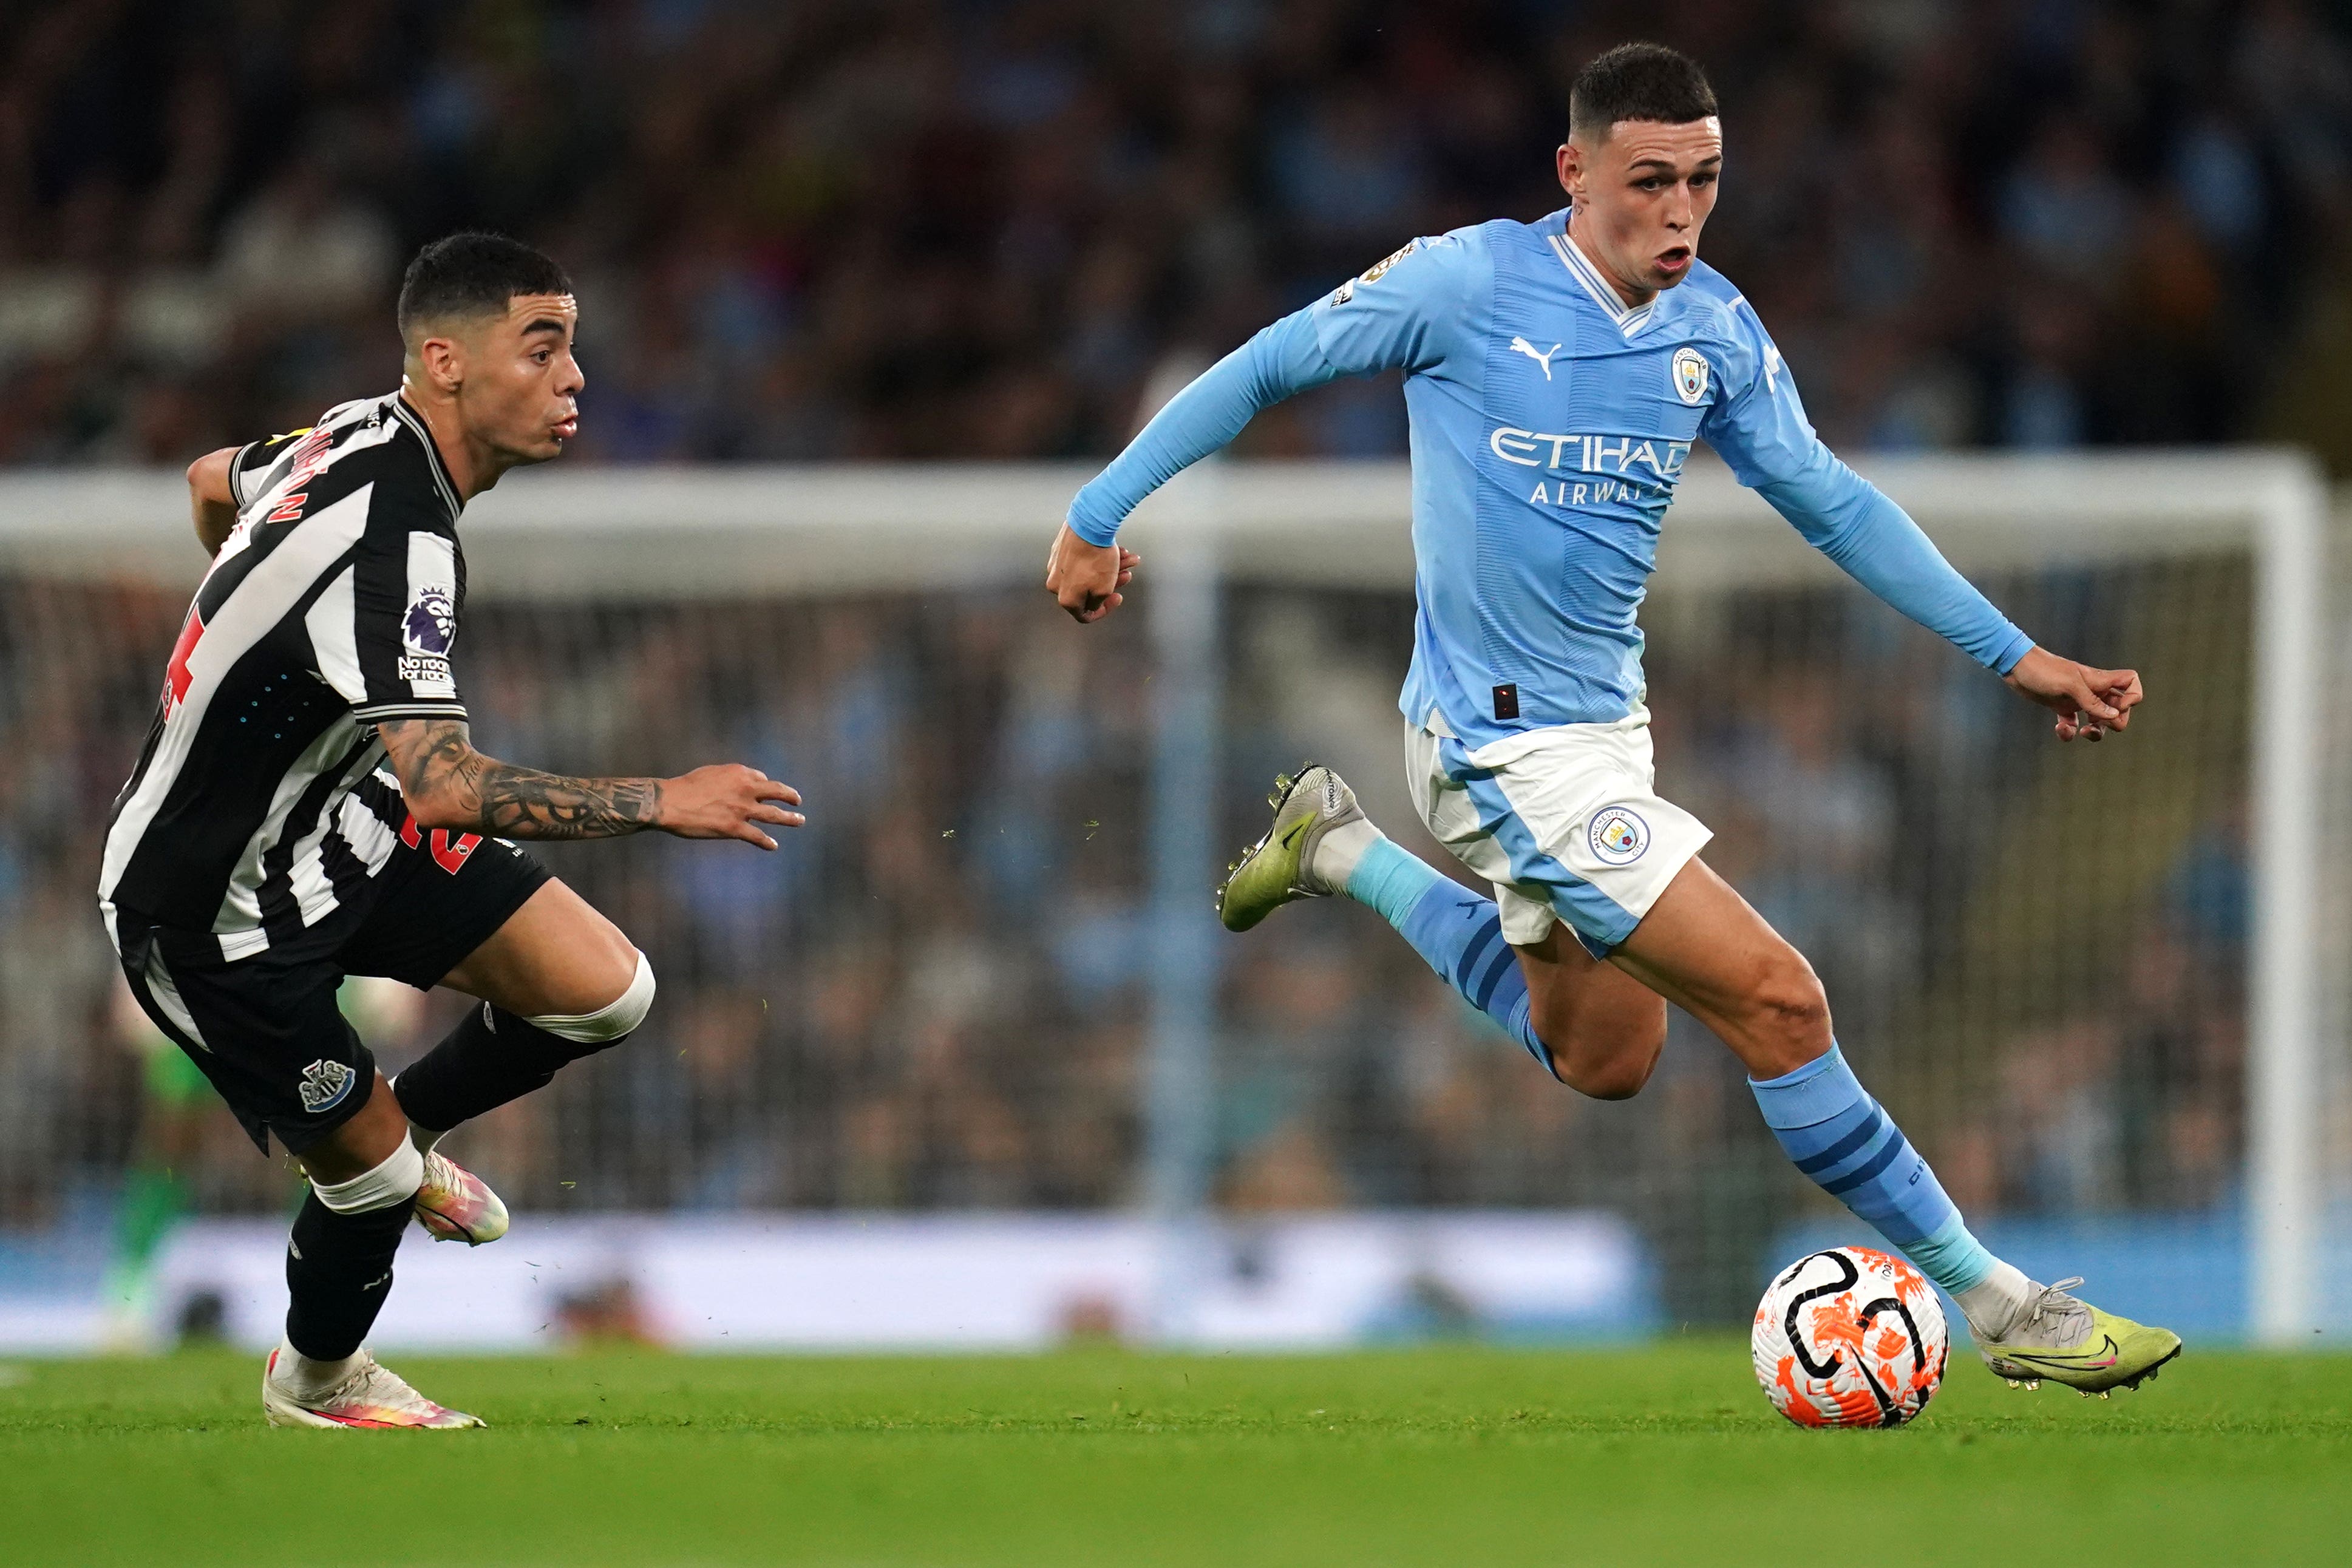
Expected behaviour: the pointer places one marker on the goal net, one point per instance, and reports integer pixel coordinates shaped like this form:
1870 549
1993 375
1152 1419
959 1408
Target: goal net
2102 988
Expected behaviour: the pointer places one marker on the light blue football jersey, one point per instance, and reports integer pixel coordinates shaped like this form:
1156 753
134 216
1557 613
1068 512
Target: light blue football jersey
1549 425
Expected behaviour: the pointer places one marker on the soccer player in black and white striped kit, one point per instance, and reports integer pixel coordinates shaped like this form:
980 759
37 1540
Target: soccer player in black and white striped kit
310 805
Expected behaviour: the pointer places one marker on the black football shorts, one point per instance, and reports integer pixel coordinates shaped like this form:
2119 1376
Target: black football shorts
265 1028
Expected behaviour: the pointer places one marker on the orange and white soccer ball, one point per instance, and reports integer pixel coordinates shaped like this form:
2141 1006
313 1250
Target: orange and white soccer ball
1850 1337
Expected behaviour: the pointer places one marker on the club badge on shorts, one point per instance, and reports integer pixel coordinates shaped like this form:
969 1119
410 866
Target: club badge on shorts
1618 835
324 1085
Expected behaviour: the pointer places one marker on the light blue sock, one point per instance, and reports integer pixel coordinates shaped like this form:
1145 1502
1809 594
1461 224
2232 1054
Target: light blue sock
1837 1135
1457 933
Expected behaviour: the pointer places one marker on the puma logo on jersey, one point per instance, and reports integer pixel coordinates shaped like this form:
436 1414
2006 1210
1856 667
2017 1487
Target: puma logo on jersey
1521 346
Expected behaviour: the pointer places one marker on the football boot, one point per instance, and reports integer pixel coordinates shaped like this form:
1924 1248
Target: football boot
1279 868
369 1397
456 1205
2059 1338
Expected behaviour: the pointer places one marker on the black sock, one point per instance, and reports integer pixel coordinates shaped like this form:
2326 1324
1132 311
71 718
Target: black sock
489 1059
339 1270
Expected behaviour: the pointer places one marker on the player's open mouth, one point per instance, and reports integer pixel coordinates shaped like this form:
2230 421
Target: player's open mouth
1674 260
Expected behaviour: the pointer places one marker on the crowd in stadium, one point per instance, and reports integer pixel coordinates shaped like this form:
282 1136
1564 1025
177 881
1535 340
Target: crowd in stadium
933 997
923 229
927 228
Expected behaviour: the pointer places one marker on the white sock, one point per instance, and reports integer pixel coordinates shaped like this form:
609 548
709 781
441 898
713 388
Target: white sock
1339 850
308 1379
1991 1305
393 1181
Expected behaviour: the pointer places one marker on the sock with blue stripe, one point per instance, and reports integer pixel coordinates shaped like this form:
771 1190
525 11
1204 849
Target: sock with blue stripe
1836 1133
1456 931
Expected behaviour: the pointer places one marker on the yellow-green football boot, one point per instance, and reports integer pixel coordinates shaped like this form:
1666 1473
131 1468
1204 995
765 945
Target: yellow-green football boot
1279 868
2059 1338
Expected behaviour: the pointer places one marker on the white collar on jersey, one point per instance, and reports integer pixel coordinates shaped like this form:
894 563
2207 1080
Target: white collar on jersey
1630 319
441 477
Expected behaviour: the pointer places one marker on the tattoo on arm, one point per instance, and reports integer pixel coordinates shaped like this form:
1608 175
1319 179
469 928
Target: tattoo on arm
436 757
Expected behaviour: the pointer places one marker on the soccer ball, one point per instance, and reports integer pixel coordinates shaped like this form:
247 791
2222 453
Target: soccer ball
1850 1337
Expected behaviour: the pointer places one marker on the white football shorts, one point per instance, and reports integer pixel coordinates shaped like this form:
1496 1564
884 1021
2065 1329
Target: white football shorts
1563 820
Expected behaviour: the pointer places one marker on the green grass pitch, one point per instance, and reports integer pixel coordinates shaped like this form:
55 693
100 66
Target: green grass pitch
1449 1454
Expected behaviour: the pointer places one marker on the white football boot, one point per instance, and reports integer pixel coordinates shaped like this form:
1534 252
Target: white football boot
369 1397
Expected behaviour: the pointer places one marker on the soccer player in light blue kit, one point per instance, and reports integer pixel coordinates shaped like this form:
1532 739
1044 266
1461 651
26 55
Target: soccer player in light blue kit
1558 373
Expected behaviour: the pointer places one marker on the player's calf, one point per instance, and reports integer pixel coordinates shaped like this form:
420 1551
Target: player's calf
558 981
1607 1069
1596 1030
494 1056
1321 844
1601 1031
339 1259
1703 947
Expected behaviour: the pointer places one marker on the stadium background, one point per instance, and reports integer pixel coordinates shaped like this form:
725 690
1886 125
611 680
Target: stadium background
902 232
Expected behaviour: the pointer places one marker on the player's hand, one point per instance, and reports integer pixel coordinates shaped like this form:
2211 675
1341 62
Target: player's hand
2088 701
1085 578
725 801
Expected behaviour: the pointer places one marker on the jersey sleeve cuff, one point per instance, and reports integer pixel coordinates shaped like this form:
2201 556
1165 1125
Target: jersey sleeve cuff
2010 651
1095 530
378 712
236 476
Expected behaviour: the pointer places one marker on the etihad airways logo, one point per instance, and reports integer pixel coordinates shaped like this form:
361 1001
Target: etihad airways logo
1588 453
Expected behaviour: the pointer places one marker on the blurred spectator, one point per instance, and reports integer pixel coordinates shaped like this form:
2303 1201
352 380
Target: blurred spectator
949 228
2139 1103
303 246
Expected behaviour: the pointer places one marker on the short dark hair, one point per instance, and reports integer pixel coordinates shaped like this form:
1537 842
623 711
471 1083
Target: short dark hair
1638 81
473 274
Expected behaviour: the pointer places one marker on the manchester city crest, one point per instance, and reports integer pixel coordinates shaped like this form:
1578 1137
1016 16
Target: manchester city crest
1689 372
1618 836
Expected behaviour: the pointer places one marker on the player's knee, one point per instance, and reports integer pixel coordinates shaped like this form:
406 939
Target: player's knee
612 1022
1787 1005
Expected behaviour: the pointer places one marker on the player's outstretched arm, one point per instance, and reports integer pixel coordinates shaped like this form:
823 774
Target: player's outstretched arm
448 784
2089 702
1086 568
210 503
1407 312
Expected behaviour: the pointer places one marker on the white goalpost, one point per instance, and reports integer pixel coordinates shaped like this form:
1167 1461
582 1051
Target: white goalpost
2219 561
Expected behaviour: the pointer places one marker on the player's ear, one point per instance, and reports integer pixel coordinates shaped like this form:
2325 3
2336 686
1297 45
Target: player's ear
442 361
1570 159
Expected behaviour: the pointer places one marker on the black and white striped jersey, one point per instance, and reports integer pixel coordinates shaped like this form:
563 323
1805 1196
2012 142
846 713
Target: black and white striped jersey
258 806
